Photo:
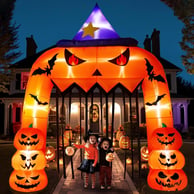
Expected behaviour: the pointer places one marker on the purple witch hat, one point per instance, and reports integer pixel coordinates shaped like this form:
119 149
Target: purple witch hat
96 27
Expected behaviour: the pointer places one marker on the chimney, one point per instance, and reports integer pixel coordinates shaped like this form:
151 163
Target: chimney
147 43
30 46
156 42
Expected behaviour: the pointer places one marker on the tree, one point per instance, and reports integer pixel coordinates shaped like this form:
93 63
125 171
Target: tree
8 42
184 10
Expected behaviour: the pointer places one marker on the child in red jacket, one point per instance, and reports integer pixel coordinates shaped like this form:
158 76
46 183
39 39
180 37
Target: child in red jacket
88 165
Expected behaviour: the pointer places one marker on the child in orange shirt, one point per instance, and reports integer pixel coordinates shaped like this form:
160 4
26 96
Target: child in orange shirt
88 165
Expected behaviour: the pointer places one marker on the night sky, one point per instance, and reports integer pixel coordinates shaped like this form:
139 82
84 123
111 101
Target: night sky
50 21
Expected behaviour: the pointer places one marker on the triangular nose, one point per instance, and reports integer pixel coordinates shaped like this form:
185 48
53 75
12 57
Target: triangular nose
97 73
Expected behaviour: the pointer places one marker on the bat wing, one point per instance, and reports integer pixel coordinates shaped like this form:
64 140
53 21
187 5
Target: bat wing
149 104
38 71
33 96
51 62
160 97
149 67
159 78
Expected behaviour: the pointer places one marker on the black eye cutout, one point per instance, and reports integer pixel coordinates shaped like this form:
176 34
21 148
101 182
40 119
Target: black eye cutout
71 59
23 136
162 175
122 59
162 156
175 176
19 177
160 134
34 136
173 156
171 134
23 157
34 157
35 177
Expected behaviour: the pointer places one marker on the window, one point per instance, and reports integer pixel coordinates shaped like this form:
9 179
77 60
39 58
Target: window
18 81
24 80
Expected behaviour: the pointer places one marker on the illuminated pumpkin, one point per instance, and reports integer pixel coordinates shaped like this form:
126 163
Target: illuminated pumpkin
165 138
69 150
28 160
124 142
50 153
119 134
28 181
144 166
144 153
29 139
110 157
167 180
166 159
128 161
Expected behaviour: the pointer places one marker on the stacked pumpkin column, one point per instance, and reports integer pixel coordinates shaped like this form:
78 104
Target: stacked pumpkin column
166 161
29 161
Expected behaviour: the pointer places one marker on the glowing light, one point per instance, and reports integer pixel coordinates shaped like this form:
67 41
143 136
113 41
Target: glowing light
74 108
117 109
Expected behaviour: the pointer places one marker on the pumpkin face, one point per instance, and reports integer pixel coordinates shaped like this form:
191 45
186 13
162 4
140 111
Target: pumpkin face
167 180
28 181
166 159
165 138
144 153
110 157
128 161
50 153
69 151
124 142
29 139
28 160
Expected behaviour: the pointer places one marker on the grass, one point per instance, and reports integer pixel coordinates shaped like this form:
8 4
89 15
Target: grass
141 182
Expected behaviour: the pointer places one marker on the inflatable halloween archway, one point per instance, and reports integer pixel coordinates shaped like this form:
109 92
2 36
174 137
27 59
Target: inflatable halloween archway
106 62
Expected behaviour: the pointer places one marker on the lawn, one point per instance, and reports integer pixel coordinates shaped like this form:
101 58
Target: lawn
141 182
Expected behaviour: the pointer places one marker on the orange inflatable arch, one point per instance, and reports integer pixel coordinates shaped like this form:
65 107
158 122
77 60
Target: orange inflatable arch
64 66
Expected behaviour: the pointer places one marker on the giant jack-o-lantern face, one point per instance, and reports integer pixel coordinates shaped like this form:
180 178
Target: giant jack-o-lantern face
165 138
29 139
28 160
77 59
166 159
167 180
28 181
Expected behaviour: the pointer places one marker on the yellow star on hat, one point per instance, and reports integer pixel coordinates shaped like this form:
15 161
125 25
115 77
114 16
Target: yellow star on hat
89 30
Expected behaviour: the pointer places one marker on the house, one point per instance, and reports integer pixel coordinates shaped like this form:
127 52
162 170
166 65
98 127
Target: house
11 104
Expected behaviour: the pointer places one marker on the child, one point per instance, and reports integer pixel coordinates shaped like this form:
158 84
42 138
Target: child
105 166
88 165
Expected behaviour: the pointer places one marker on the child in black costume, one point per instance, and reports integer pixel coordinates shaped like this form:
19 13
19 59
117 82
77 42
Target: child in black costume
105 166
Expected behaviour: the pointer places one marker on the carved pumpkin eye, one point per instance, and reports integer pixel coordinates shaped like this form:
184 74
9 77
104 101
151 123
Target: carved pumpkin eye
35 177
23 157
122 59
173 156
34 136
23 136
71 59
162 156
19 177
175 176
171 134
34 157
162 175
160 134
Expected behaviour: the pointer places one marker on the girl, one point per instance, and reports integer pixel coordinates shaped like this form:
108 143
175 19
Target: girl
88 165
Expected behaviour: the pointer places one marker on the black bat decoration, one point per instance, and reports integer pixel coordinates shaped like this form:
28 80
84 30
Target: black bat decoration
48 69
157 100
151 74
37 100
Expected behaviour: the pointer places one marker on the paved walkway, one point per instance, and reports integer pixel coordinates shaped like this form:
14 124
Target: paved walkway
75 186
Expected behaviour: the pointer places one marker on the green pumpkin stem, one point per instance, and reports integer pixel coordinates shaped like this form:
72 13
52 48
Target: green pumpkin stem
30 126
164 125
